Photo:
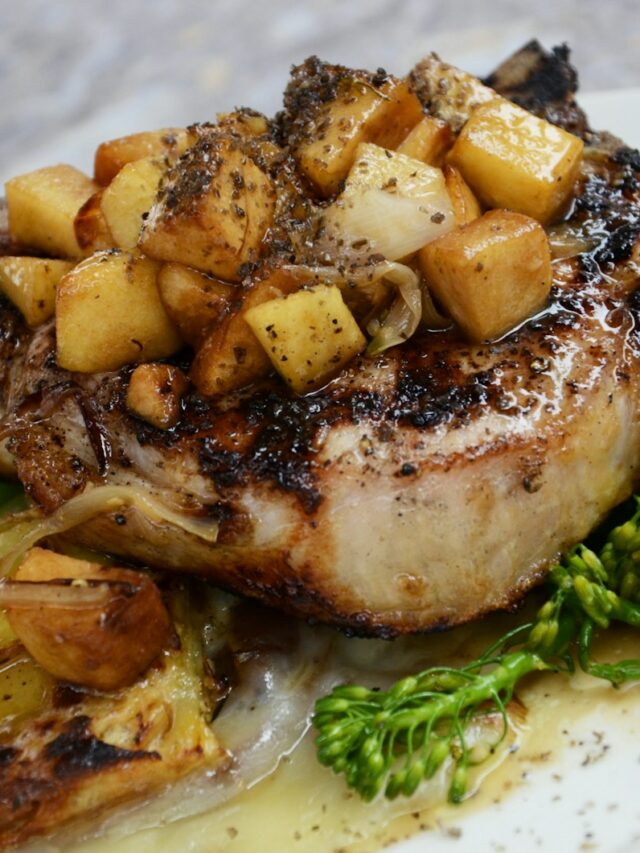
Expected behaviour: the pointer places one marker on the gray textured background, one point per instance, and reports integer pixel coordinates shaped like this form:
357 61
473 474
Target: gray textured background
75 73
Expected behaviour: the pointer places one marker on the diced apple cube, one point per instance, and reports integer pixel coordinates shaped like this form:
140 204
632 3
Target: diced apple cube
90 226
449 93
194 301
492 274
429 141
30 283
128 197
155 392
43 206
231 356
309 336
213 211
391 202
359 113
113 155
109 313
513 159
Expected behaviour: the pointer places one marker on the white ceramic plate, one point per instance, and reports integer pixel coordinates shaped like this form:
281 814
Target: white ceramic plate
585 797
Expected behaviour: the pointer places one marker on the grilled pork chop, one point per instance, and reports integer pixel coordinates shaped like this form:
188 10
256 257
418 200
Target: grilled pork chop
417 490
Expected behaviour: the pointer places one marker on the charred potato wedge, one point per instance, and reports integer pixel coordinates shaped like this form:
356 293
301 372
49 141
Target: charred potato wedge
104 645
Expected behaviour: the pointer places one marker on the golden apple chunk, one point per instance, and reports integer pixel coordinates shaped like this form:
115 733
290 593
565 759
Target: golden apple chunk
360 112
155 392
309 336
113 155
128 197
30 283
513 159
231 356
90 226
492 274
429 141
214 209
195 301
466 206
109 313
43 206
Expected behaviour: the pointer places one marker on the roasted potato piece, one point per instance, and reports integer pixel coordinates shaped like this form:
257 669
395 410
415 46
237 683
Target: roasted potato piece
90 226
515 160
43 206
394 203
114 155
429 141
449 93
128 197
155 392
214 209
109 313
492 274
466 206
86 623
231 356
30 283
360 112
309 336
194 301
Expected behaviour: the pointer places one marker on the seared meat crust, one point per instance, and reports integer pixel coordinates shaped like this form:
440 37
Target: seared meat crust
417 490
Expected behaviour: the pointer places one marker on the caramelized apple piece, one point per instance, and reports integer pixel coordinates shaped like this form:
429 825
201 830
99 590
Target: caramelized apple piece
309 336
194 301
109 313
43 206
113 155
466 206
492 274
155 392
231 356
130 196
30 283
429 141
214 209
90 226
513 159
359 112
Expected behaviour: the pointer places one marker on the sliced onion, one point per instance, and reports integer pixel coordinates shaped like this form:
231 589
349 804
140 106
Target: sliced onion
405 314
393 203
30 594
393 225
24 531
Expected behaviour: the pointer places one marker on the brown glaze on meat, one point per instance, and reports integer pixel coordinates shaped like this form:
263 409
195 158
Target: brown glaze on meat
417 490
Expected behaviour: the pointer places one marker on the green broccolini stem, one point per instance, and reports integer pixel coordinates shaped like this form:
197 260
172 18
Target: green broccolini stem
394 739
